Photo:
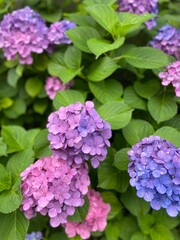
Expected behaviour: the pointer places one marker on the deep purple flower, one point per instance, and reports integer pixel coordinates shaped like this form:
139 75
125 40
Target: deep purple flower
172 75
139 7
51 187
54 84
155 173
23 32
34 236
96 218
168 40
78 133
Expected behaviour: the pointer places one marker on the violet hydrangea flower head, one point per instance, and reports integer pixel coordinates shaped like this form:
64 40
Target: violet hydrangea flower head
78 133
34 236
96 218
155 173
172 75
54 84
51 187
168 40
23 32
57 32
140 7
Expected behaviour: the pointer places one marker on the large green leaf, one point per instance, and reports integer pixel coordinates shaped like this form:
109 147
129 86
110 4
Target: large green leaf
107 90
118 114
14 226
160 232
33 86
5 179
3 147
146 222
162 107
133 100
72 57
121 159
17 109
12 77
112 230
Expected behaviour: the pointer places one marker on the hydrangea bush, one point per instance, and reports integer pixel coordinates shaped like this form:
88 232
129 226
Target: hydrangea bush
89 120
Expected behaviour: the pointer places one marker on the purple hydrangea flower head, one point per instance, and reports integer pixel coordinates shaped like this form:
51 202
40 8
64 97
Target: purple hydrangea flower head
23 32
172 75
96 218
155 173
57 32
78 133
34 236
54 84
140 7
168 40
51 187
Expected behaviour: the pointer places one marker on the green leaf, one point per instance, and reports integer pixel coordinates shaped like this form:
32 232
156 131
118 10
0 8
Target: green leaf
160 232
162 107
121 159
101 69
133 100
5 102
92 2
13 137
105 16
19 70
33 86
146 57
50 16
80 35
148 88
146 223
110 197
127 226
12 77
99 46
139 236
3 147
137 206
110 177
112 231
72 57
118 114
107 90
19 161
169 133
6 90
40 106
136 130
17 109
80 212
14 226
41 144
174 122
11 199
66 97
5 179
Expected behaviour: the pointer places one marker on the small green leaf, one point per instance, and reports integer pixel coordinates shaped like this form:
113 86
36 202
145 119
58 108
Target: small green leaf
33 86
118 114
136 130
3 147
146 222
133 100
92 2
17 109
127 227
101 69
5 179
50 16
12 77
5 102
40 106
121 159
72 57
160 232
66 97
139 236
112 230
107 90
162 107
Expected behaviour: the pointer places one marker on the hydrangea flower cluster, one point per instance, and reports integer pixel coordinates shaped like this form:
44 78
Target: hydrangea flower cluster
34 236
140 7
95 220
77 133
56 32
54 84
24 32
51 187
168 40
172 75
155 173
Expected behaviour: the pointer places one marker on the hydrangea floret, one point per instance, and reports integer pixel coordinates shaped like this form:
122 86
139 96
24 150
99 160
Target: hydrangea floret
155 173
54 84
96 218
140 7
78 133
172 75
34 236
51 187
168 40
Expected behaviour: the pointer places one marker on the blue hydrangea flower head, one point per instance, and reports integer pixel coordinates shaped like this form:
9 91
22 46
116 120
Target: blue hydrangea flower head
34 236
155 173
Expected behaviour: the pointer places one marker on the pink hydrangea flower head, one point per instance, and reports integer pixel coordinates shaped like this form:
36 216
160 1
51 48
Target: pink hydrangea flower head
172 75
168 40
140 7
78 133
96 219
23 32
57 32
54 84
51 187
